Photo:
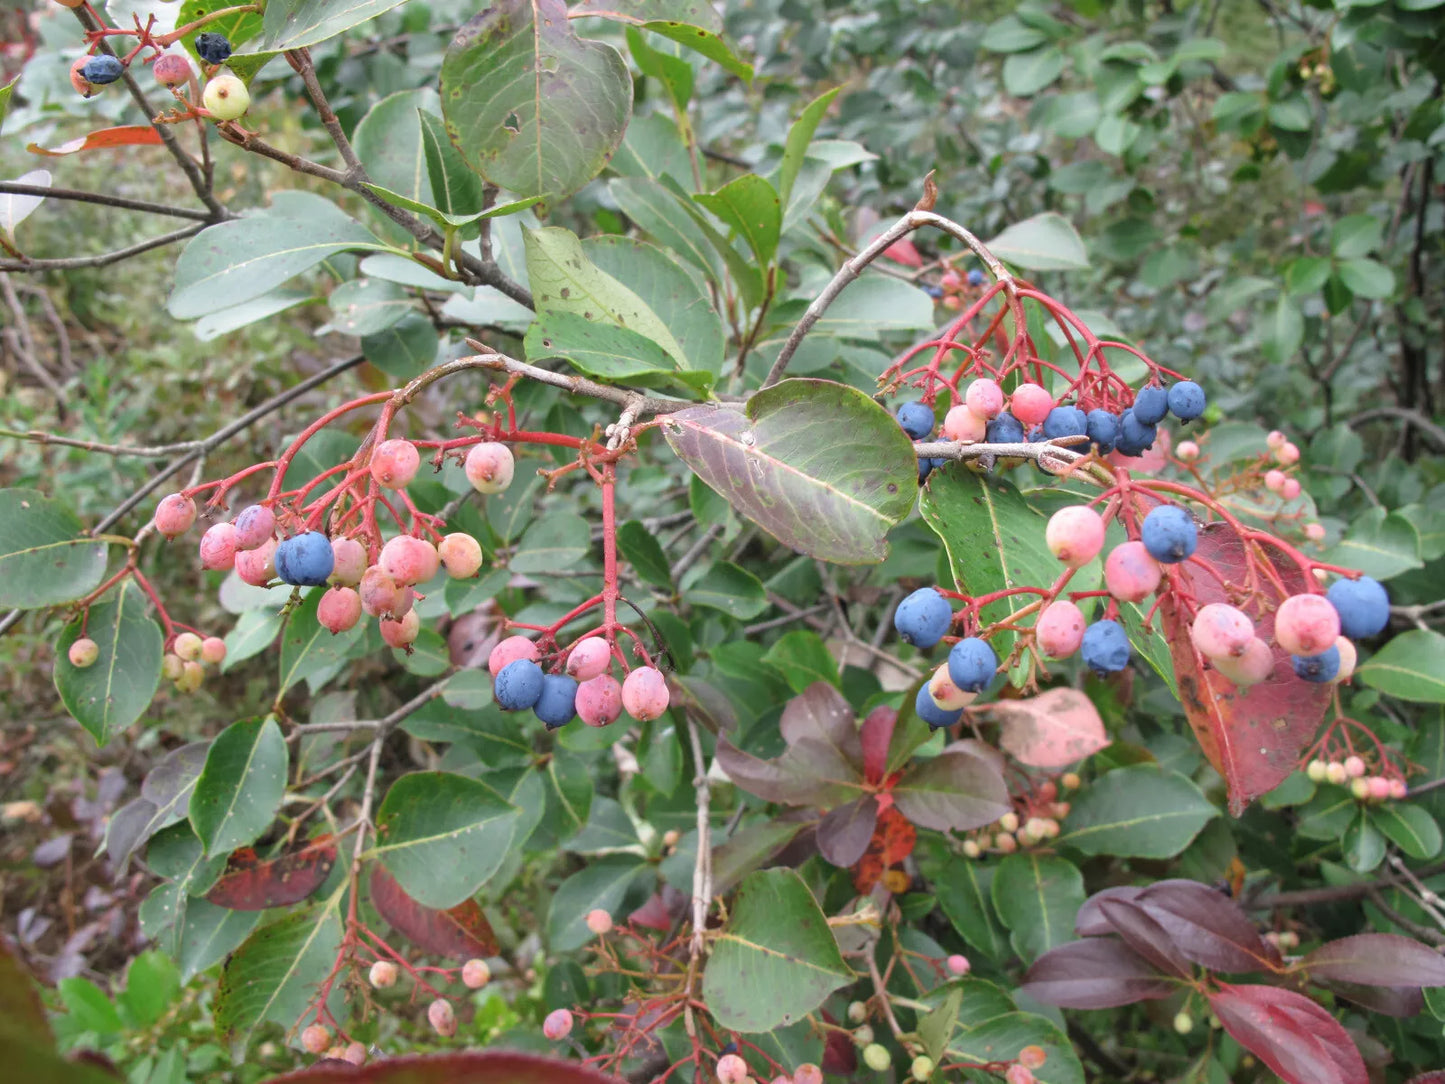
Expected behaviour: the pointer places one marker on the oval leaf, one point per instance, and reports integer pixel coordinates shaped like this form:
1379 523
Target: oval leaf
458 933
241 786
109 695
46 558
1046 242
1138 812
489 1067
1096 973
956 791
1376 959
251 884
273 975
1052 730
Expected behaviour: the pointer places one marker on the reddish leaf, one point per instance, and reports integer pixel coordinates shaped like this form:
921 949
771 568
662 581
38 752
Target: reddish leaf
1090 920
892 842
955 790
876 735
1376 959
1401 1001
1253 736
655 912
1096 973
1290 1033
460 932
840 1055
250 884
488 1067
1208 927
905 252
820 714
1145 935
1051 730
843 835
127 135
807 773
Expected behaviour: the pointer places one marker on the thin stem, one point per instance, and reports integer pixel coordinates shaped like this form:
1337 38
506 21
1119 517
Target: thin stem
105 259
15 188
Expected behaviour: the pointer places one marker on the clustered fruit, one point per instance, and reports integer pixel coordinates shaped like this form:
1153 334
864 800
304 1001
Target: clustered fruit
585 688
224 98
1354 773
1034 822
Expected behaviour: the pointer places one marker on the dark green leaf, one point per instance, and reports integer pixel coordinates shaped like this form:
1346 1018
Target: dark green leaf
1137 812
1411 667
241 786
109 695
46 558
1036 897
274 974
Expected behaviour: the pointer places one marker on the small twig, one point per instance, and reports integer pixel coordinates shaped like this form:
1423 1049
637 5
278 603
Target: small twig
1413 928
1434 433
702 867
105 200
71 263
578 385
696 550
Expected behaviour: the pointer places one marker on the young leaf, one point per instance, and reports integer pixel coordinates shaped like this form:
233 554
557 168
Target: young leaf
458 933
46 557
752 208
241 786
795 149
109 695
455 189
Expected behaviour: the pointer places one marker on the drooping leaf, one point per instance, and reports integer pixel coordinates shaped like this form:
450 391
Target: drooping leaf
1376 959
15 209
1057 728
1095 973
1036 897
1045 242
1291 1034
795 149
1208 927
241 786
1139 812
608 353
46 558
164 797
251 883
455 189
704 42
109 695
458 933
954 791
274 974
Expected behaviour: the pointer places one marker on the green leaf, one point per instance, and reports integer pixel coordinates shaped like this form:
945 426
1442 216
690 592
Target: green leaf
1002 1037
367 306
5 93
696 12
751 208
223 321
1306 274
91 1009
802 658
1137 812
240 788
875 303
610 353
1408 827
1363 844
295 24
455 189
152 983
46 558
818 465
1292 115
936 1029
1379 543
308 648
795 149
1025 74
109 695
389 142
673 72
746 274
531 107
1284 331
1045 242
962 890
254 631
703 42
1367 278
776 959
729 588
657 211
429 655
442 836
242 259
602 883
1409 667
274 974
1356 235
404 350
641 550
1009 35
1036 897
557 540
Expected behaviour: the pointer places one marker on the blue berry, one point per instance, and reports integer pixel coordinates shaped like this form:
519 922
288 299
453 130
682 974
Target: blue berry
1169 534
934 292
1151 404
1186 400
1135 438
558 700
1105 649
102 69
916 419
923 617
927 466
213 48
1066 421
975 277
305 560
1363 606
972 664
1103 429
518 685
1004 429
931 713
1318 669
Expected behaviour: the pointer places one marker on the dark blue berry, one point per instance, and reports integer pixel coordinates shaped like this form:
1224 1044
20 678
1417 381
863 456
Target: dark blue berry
305 560
1186 400
1151 404
1004 429
934 292
1105 649
972 664
102 69
928 465
1169 534
1318 669
1135 438
1363 606
931 713
976 277
923 617
1066 421
213 48
518 685
916 419
1103 429
557 703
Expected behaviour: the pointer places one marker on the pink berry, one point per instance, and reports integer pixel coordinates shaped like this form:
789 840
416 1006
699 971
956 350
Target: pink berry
1287 454
947 695
1306 624
403 632
339 609
1398 790
1060 629
254 526
959 965
962 424
349 558
644 693
599 921
409 560
1130 574
1379 788
1031 404
83 653
599 700
381 596
1274 480
188 646
1315 532
442 1017
1019 1074
258 566
355 1053
174 515
1291 489
731 1069
807 1073
589 658
510 650
476 974
1275 439
1251 666
558 1024
218 547
394 463
489 467
984 397
315 1039
1075 535
213 650
383 974
1348 658
1033 1057
1188 451
1219 629
461 555
1354 766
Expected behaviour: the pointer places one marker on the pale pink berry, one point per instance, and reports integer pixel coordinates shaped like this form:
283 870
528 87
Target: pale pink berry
1019 1074
213 650
409 560
1379 788
510 650
174 515
254 526
599 921
644 693
489 467
1287 454
1360 789
1290 490
1398 790
589 658
1130 574
83 653
1306 624
1274 480
354 1053
807 1073
984 397
1060 629
394 463
1251 666
599 700
1031 404
1033 1057
349 562
1349 657
1075 535
1275 439
315 1039
731 1069
188 646
1335 773
959 965
476 974
403 632
1355 766
557 1025
947 695
218 547
1188 451
962 424
461 555
381 596
1219 629
258 566
442 1017
1315 532
383 974
339 609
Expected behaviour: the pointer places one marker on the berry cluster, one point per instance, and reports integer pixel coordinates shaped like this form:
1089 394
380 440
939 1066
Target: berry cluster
584 689
1353 772
1035 822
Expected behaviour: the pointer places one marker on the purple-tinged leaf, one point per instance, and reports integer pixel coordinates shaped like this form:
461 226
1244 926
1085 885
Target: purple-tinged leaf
1376 959
843 834
1208 927
1097 973
1401 1001
1090 921
955 790
875 736
485 1067
1289 1033
820 714
1145 935
252 884
808 773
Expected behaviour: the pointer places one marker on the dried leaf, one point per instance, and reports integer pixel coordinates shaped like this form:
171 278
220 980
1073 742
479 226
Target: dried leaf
250 884
459 932
892 842
127 135
1052 730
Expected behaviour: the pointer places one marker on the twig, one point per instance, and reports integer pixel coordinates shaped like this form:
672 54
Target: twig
696 550
578 385
14 188
386 722
1434 433
71 263
1410 926
1331 893
702 867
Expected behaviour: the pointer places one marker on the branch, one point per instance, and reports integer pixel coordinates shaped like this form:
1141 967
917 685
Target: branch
1332 893
15 188
702 867
72 263
1433 432
577 385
